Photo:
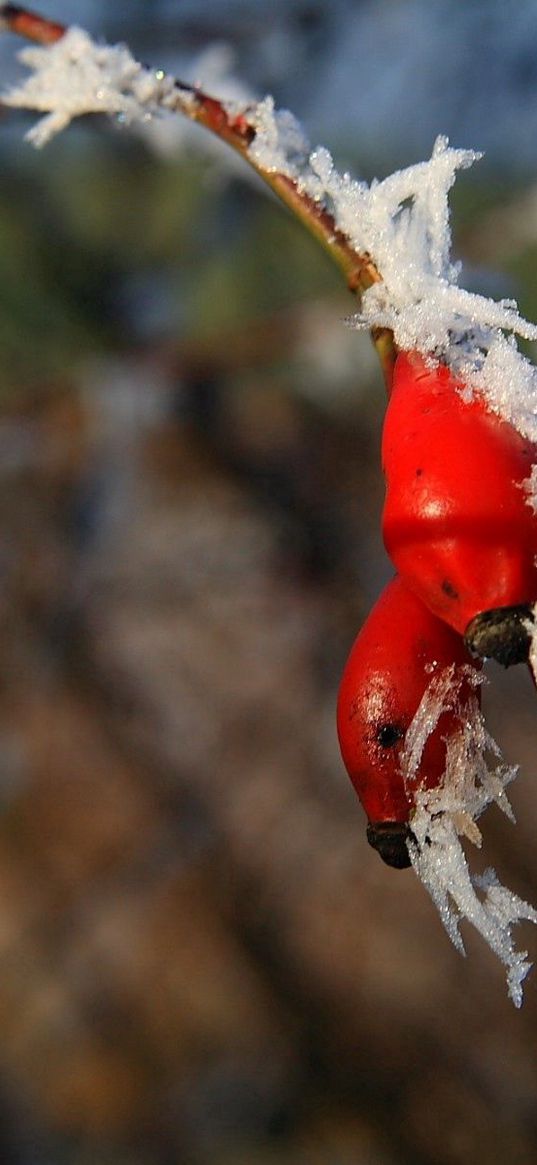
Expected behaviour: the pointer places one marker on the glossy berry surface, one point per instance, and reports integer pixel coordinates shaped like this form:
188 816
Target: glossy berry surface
457 523
399 650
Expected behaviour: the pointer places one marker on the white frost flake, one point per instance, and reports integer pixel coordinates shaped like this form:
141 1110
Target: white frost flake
403 224
279 146
75 76
530 485
444 814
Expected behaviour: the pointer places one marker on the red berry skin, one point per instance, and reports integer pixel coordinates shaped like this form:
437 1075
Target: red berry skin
457 524
399 650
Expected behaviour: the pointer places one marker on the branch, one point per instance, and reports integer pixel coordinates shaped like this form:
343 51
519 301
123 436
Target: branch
239 130
391 239
29 25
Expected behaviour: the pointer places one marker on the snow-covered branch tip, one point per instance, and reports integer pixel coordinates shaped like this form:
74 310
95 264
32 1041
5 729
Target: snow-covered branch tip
392 238
73 75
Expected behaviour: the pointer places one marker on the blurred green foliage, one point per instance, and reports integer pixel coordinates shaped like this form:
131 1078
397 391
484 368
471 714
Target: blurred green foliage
83 221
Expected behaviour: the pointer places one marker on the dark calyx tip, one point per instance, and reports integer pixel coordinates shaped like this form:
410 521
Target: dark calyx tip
502 634
390 841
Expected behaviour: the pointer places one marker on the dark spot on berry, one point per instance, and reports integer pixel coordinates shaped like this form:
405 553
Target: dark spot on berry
449 589
419 472
389 734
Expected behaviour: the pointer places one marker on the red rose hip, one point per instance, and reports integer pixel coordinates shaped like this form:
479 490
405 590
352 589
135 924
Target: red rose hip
400 649
457 522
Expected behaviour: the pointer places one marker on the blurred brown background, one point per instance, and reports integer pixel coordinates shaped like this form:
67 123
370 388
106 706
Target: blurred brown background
201 960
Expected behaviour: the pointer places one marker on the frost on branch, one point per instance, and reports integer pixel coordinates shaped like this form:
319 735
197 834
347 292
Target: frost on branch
77 76
444 814
402 223
279 145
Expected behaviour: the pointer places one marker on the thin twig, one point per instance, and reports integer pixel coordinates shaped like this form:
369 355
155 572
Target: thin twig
29 24
238 131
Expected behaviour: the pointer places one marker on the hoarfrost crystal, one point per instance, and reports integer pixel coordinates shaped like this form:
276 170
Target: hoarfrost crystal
402 223
279 146
445 814
77 76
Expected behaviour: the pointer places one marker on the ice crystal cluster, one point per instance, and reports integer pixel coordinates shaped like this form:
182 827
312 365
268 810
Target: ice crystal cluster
76 76
474 778
402 223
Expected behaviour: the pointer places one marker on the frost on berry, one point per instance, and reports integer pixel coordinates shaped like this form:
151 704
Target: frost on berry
473 779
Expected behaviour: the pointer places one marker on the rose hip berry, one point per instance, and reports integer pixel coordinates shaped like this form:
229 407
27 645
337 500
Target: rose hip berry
457 523
401 647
